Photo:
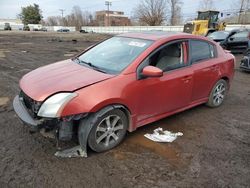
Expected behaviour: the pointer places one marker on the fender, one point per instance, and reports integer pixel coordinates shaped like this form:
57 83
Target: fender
87 124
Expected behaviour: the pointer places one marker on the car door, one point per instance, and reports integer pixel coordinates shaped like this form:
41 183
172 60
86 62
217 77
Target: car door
170 92
205 66
238 42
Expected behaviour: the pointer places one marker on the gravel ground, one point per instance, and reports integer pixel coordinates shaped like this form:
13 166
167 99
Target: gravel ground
213 152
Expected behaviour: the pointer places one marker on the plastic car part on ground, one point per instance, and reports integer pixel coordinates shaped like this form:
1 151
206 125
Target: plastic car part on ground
162 136
72 152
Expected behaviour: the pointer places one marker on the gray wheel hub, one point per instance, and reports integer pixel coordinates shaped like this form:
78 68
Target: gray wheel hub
108 130
219 94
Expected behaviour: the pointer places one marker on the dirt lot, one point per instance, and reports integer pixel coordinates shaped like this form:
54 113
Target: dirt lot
213 152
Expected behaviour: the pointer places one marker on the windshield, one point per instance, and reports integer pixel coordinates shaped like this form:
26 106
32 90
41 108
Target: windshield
203 16
218 35
211 16
114 54
242 34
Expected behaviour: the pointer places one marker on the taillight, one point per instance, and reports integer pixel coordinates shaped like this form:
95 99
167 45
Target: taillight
249 35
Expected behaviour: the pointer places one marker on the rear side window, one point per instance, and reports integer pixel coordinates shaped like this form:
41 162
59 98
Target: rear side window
201 50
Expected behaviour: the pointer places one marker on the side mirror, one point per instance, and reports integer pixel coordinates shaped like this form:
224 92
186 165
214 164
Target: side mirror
150 71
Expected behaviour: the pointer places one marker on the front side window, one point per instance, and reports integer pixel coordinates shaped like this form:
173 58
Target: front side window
114 54
201 50
170 57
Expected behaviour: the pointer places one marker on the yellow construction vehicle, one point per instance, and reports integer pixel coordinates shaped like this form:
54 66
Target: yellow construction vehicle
206 22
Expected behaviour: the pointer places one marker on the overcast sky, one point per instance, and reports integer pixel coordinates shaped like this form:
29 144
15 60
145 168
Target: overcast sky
10 8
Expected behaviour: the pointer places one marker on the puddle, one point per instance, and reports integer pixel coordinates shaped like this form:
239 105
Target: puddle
164 150
169 151
24 70
119 155
25 43
4 101
68 55
2 53
74 50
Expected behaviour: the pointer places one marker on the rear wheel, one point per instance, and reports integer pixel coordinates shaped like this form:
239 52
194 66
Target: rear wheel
108 131
218 94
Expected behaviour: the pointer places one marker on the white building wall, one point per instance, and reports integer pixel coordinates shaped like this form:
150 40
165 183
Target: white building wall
17 25
125 29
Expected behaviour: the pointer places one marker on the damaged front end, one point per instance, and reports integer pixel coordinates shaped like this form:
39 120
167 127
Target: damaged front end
60 128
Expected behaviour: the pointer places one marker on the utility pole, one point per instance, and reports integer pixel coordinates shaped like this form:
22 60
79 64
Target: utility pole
241 10
108 4
61 10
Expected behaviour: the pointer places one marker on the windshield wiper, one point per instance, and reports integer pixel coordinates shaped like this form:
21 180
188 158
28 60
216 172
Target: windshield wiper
90 65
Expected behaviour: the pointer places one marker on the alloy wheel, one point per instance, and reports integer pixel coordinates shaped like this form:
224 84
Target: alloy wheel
109 130
219 94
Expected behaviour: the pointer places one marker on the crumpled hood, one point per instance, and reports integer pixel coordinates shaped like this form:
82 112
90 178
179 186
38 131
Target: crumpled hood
61 76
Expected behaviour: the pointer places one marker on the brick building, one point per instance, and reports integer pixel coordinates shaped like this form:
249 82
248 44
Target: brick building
111 18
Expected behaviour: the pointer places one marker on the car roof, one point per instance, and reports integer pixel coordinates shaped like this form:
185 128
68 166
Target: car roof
154 35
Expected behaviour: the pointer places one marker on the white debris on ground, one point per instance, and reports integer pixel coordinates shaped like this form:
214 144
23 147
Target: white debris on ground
163 136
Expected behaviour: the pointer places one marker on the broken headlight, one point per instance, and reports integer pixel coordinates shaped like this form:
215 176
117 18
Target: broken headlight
54 105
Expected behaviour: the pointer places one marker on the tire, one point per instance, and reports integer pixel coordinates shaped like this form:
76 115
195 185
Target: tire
218 94
108 130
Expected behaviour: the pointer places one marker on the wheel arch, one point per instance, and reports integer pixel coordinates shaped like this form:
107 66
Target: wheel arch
223 77
124 108
86 123
226 78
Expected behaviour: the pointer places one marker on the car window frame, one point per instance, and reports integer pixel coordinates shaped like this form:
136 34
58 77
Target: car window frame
200 61
145 62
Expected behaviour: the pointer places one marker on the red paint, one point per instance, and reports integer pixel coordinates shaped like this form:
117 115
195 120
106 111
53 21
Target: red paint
147 99
151 71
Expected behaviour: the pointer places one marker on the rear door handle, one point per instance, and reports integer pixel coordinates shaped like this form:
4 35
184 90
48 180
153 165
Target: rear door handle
187 78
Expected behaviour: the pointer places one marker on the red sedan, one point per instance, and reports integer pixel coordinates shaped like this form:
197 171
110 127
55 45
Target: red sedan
122 83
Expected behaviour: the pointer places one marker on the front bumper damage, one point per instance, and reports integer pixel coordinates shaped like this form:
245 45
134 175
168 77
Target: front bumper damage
64 129
23 113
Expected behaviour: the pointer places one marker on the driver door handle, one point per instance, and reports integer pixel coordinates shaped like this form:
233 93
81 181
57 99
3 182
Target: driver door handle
186 79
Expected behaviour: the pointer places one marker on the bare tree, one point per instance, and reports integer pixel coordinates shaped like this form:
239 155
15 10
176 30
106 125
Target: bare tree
243 7
206 5
52 21
77 18
175 12
151 12
239 12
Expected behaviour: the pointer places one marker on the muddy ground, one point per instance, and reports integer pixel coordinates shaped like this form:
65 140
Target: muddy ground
213 152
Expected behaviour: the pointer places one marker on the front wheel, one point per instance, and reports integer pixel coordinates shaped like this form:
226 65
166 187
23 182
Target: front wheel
108 131
218 94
